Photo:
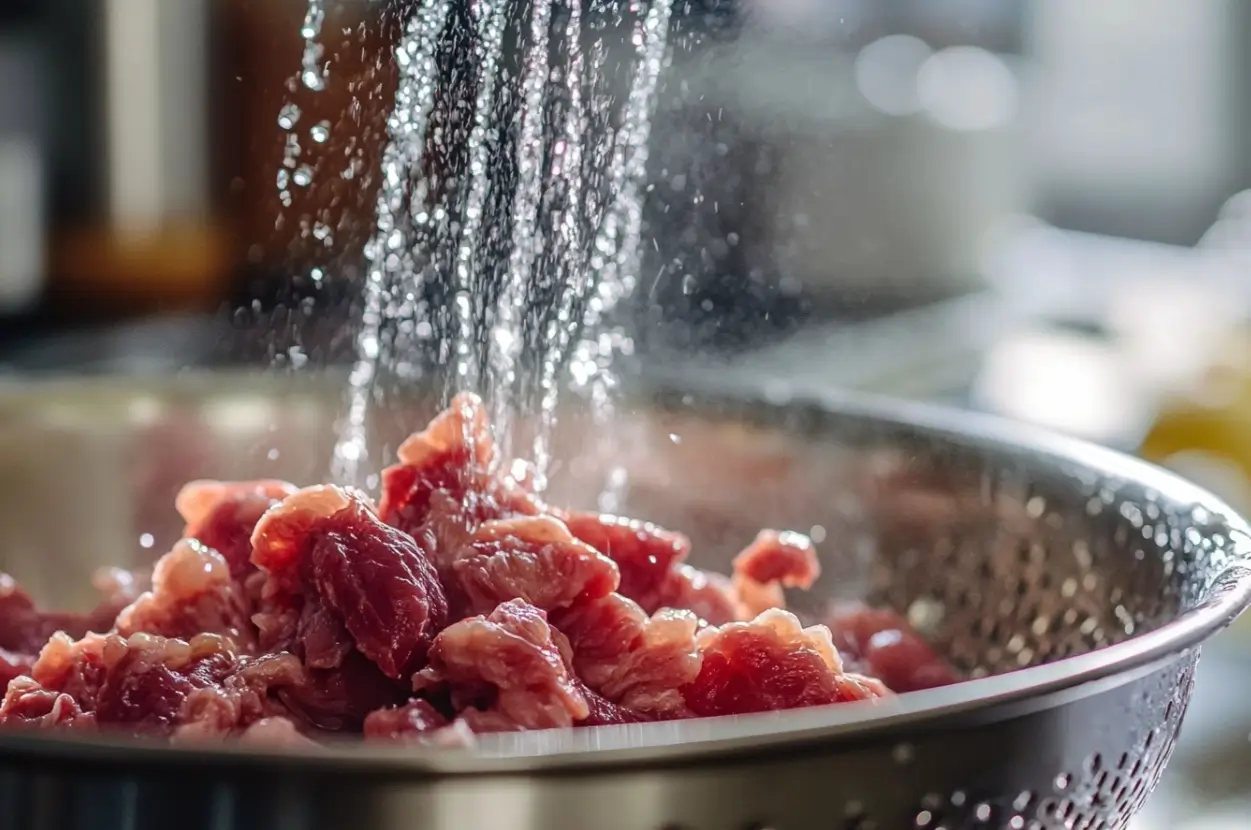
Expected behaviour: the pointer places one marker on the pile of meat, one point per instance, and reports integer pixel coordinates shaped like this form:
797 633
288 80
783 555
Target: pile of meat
459 604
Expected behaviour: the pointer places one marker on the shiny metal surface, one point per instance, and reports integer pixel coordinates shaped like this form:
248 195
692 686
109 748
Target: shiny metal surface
1014 550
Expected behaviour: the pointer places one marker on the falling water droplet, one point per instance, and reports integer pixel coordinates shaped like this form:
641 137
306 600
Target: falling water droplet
313 74
320 132
288 116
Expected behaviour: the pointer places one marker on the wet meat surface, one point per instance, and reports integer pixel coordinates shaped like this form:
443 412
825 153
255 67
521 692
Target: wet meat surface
457 604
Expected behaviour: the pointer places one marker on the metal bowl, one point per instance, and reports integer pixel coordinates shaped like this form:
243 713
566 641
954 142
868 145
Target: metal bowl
1075 585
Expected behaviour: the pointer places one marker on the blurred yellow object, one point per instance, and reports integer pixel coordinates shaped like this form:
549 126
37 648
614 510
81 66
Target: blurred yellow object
1213 417
1205 432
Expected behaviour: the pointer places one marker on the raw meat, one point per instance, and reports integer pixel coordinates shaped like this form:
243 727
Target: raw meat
885 646
462 605
631 659
772 662
222 515
534 559
511 666
770 563
329 560
146 683
651 561
192 593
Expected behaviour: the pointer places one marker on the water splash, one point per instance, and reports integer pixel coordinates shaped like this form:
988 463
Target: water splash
507 335
489 18
566 262
532 250
615 255
386 254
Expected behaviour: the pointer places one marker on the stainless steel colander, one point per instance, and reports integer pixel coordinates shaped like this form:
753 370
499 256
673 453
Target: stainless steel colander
1075 584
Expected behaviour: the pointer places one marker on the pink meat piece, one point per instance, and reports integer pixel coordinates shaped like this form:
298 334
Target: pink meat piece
888 648
192 593
328 557
769 663
418 722
245 698
513 655
28 705
147 684
775 560
223 515
636 661
409 720
276 733
446 482
533 559
14 664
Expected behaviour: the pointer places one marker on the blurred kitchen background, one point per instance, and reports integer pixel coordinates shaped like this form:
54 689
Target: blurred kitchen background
1038 208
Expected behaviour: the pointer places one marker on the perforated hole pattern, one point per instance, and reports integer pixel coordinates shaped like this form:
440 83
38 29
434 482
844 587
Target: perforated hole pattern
1007 563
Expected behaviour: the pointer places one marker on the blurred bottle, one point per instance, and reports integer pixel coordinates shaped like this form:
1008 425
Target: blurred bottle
23 89
133 225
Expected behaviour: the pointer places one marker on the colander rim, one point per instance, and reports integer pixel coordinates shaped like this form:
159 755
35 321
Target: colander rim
579 751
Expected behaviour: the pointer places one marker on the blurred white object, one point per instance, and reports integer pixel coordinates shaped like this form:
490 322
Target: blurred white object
156 60
21 224
23 233
1136 110
1063 381
892 166
886 73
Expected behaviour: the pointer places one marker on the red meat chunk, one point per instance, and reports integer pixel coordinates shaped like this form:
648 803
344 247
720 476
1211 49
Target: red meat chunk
888 648
417 721
783 557
643 552
651 560
192 593
513 661
775 560
603 712
534 559
223 514
328 558
633 660
23 627
145 683
771 663
339 699
247 697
